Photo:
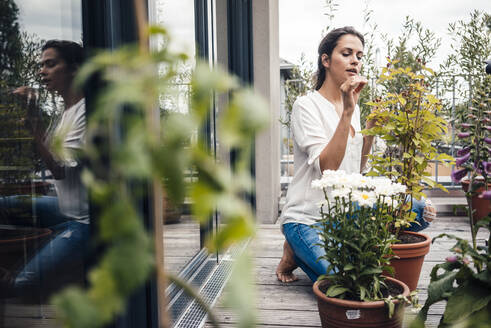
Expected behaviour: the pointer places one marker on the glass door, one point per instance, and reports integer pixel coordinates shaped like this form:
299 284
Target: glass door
44 212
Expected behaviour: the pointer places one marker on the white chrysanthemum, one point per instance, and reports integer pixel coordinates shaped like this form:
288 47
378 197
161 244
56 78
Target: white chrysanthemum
316 184
342 193
390 201
356 180
364 198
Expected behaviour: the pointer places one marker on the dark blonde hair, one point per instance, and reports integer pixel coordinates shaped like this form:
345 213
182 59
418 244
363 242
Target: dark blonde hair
327 45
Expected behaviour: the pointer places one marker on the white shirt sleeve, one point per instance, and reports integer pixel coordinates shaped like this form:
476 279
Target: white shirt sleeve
311 135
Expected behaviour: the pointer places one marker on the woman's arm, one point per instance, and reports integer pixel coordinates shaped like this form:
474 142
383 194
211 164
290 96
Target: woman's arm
332 155
34 123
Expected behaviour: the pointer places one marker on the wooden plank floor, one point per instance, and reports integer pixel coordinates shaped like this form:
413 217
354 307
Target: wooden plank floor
294 305
278 304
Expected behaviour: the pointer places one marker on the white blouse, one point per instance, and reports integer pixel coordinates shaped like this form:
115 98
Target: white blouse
314 121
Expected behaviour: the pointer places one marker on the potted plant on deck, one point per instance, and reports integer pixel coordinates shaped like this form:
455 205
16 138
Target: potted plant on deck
474 157
354 233
408 121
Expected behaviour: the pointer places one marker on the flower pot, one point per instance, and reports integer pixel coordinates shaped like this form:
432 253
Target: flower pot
15 243
481 206
410 260
27 188
335 312
172 213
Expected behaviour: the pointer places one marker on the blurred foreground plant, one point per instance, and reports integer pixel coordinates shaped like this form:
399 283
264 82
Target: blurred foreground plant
125 145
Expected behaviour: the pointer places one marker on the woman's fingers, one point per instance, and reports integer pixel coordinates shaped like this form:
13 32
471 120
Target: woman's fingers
355 83
361 84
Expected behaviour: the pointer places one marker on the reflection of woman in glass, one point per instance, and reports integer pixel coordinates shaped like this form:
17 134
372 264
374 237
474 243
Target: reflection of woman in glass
326 130
67 214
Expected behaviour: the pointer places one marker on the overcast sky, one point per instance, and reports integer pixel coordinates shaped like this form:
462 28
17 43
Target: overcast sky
301 22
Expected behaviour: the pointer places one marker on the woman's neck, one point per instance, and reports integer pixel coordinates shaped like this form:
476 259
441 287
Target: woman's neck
71 97
330 90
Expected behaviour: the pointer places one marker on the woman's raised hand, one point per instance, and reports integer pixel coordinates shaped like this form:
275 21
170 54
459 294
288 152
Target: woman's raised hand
350 90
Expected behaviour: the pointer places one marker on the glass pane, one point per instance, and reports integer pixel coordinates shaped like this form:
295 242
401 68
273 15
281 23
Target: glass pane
181 232
44 221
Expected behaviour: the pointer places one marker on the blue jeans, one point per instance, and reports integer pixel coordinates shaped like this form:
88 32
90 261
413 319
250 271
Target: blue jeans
67 247
304 240
418 208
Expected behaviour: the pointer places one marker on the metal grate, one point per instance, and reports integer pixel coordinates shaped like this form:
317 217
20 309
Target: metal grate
181 300
195 315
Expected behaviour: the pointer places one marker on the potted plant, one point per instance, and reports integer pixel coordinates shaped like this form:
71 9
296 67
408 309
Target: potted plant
408 122
353 230
474 155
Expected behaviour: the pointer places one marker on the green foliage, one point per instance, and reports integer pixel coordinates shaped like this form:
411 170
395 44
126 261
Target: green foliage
408 122
464 283
119 159
18 67
298 84
471 46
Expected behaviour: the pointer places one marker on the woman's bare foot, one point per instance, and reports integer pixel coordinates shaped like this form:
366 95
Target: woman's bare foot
429 213
287 264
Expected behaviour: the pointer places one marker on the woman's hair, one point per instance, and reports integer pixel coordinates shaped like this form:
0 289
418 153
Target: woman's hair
71 52
327 45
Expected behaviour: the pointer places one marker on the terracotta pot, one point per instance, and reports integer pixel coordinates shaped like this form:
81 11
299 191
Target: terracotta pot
15 243
38 187
411 257
338 313
481 206
172 213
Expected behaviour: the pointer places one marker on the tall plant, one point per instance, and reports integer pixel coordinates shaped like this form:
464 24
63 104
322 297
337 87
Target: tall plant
408 121
132 86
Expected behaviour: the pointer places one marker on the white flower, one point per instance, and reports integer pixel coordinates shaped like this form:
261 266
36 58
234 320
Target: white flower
342 193
364 198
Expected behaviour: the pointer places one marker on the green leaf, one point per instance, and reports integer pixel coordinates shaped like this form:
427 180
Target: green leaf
336 290
236 229
348 267
466 300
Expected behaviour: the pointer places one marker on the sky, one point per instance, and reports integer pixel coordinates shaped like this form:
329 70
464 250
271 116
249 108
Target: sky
300 21
300 29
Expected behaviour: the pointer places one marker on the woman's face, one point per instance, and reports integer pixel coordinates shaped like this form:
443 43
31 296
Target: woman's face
55 73
345 60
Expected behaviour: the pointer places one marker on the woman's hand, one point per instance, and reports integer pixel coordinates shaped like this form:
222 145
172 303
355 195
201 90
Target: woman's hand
30 98
351 89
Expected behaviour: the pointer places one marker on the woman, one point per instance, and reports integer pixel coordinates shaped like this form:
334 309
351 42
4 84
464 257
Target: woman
326 130
66 214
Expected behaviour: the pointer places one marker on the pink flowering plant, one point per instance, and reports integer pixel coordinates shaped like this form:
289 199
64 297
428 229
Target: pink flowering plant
475 135
354 229
464 279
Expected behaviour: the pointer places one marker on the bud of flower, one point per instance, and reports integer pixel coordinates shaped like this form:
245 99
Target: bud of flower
451 259
485 195
463 151
463 135
457 250
465 125
487 140
458 175
487 127
466 261
461 160
373 218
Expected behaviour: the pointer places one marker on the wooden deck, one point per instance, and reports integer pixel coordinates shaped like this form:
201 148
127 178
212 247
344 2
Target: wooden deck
294 305
278 304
